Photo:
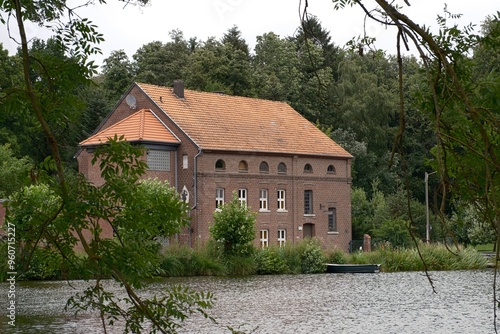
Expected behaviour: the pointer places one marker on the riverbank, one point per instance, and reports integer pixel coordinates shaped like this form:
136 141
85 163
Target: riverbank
303 258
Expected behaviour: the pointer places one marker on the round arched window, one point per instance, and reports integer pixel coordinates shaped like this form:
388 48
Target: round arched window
330 169
243 166
220 165
282 168
308 168
264 167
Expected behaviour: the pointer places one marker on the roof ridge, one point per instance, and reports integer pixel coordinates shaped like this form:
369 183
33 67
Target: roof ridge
213 93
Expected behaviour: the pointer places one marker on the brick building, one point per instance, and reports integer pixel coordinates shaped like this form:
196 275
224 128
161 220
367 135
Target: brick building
210 145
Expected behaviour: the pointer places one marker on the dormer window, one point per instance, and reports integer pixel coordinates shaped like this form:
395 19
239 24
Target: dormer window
281 168
243 166
220 165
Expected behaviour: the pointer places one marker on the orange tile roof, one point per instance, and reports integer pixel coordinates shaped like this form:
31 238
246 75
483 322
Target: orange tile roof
143 125
224 122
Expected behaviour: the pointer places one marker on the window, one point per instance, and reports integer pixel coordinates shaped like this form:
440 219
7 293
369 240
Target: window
281 237
330 169
264 167
242 196
281 200
308 168
308 202
243 166
281 168
185 161
158 160
263 200
332 220
264 238
220 165
219 198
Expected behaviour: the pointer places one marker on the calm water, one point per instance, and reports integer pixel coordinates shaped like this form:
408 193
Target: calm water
322 303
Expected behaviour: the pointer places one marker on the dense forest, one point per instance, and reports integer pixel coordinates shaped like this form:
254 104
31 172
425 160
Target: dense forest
349 93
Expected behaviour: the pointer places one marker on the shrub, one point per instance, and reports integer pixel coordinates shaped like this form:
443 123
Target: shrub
337 256
240 265
45 264
233 228
271 261
312 258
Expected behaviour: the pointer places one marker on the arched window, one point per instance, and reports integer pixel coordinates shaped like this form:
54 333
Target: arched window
264 167
330 169
220 165
243 166
281 168
308 168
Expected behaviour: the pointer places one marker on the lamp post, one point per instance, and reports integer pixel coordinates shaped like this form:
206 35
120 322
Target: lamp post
427 226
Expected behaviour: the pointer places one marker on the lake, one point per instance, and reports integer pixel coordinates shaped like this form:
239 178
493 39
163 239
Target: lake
322 303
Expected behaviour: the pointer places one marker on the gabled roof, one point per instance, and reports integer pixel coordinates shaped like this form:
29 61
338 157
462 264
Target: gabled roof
142 126
216 121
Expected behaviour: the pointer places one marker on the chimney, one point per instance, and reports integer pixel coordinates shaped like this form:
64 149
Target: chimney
179 88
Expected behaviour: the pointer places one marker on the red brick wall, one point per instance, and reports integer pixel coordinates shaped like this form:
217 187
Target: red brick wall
329 189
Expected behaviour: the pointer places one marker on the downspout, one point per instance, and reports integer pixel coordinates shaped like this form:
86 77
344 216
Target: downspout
195 195
294 218
176 173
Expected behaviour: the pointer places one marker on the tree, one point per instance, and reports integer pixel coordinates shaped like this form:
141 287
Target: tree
47 94
233 37
161 64
137 210
275 66
14 172
118 74
462 107
234 228
217 66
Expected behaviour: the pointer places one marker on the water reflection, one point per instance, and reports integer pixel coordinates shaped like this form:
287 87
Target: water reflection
325 303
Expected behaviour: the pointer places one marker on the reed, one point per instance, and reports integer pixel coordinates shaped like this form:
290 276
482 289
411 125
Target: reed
435 256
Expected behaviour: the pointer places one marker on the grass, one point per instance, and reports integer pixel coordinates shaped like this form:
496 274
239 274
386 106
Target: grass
484 248
304 257
435 257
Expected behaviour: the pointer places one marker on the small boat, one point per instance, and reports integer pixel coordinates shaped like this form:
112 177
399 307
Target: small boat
352 268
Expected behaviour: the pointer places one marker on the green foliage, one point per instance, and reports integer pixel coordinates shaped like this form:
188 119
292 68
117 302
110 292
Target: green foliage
337 256
435 256
46 264
395 232
169 311
14 173
178 260
271 260
234 228
237 265
477 229
312 259
138 211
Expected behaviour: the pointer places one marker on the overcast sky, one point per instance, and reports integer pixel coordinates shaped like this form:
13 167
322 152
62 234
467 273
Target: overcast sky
131 27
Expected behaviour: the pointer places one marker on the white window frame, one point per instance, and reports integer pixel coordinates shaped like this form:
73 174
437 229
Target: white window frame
219 198
185 161
264 200
264 238
281 237
281 199
243 197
